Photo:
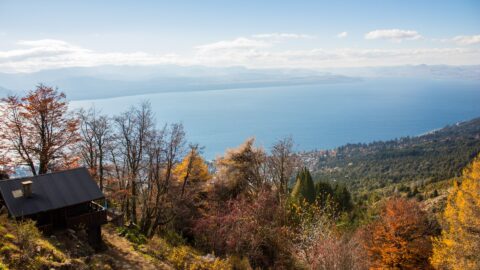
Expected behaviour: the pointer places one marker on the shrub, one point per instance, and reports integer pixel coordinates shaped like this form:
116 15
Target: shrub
251 227
27 235
8 249
173 238
183 257
133 234
238 263
9 237
3 266
179 257
46 249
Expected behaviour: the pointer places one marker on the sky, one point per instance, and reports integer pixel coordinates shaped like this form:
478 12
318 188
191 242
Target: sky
36 35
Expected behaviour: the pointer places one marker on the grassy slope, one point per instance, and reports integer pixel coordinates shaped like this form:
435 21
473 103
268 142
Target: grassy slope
23 247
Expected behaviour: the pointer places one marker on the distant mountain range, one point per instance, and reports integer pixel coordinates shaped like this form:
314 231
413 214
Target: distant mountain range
114 81
413 71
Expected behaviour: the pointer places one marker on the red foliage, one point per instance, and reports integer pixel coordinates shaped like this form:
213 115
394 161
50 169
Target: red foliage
247 227
37 129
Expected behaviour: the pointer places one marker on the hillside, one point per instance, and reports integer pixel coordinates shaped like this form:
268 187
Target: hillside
435 156
242 215
22 246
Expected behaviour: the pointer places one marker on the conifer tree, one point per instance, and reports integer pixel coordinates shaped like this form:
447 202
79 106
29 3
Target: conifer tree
343 198
304 188
324 193
459 245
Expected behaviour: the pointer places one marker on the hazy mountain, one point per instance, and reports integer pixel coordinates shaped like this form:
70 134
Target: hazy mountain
113 81
413 71
4 92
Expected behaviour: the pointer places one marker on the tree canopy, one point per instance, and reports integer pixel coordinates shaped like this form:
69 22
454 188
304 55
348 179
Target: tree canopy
304 188
459 245
38 129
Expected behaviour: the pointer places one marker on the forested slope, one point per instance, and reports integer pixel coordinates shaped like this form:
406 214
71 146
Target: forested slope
434 156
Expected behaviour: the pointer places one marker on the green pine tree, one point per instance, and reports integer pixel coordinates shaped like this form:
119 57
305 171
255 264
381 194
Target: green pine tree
304 187
343 198
324 193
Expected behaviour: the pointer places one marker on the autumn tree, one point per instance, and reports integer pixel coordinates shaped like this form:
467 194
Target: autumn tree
458 246
401 237
192 182
241 170
38 130
192 168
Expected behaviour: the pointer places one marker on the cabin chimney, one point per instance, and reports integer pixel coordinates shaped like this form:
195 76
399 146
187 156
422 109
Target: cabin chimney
27 189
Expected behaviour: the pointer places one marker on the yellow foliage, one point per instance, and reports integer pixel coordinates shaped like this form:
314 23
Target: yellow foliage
459 245
192 167
3 266
46 249
179 257
9 237
183 257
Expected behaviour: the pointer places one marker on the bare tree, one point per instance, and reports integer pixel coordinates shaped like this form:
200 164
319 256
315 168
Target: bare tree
88 150
153 188
282 163
173 150
134 128
96 134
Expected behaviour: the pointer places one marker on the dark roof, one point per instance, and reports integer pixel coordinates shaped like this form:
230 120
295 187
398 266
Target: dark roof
50 191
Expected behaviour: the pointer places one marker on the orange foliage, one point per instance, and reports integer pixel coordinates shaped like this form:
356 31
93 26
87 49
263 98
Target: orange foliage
37 129
401 238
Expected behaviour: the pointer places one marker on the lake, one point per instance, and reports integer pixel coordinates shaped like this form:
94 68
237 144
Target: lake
316 116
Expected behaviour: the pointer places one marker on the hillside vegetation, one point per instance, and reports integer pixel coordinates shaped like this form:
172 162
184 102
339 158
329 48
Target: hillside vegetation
401 204
23 246
436 156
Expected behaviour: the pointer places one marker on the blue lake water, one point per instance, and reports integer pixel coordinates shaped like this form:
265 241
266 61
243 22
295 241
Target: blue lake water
316 116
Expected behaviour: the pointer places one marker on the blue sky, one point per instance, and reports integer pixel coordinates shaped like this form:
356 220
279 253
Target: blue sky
306 34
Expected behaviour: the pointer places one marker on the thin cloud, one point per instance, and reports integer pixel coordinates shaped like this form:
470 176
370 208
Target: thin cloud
467 40
238 43
34 55
342 35
282 36
393 34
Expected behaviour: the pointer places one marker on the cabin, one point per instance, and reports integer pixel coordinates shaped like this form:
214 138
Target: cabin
57 201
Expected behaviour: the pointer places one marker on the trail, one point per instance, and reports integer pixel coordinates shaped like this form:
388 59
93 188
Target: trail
126 257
